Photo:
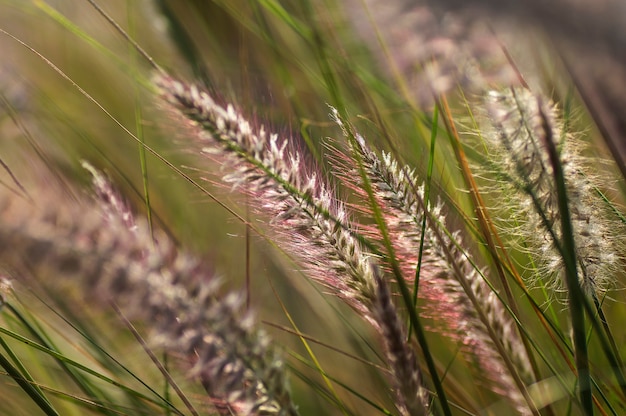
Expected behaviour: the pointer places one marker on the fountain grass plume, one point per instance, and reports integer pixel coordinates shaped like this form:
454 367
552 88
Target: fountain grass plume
430 53
150 280
312 224
514 138
455 272
412 396
455 292
112 203
303 210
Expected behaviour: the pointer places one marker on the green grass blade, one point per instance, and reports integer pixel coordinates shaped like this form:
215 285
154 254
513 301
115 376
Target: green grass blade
574 291
33 391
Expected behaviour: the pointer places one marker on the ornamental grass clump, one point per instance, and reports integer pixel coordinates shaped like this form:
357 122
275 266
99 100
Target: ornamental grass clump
447 241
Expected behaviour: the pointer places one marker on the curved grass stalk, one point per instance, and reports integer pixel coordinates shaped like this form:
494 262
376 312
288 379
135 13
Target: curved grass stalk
311 223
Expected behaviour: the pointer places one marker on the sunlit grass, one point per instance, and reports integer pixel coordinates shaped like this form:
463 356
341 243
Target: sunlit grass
324 76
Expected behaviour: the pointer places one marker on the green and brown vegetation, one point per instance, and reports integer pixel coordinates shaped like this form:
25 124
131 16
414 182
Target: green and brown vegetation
311 207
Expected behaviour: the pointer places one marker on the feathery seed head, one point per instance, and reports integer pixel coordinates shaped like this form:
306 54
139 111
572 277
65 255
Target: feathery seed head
455 291
434 52
518 121
296 199
169 289
113 203
412 395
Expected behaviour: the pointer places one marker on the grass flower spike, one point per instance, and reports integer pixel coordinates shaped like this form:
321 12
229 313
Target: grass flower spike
412 396
455 292
295 200
310 221
151 281
516 143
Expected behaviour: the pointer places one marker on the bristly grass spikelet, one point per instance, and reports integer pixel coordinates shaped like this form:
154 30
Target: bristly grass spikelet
517 151
454 292
150 280
312 224
302 208
111 201
412 396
